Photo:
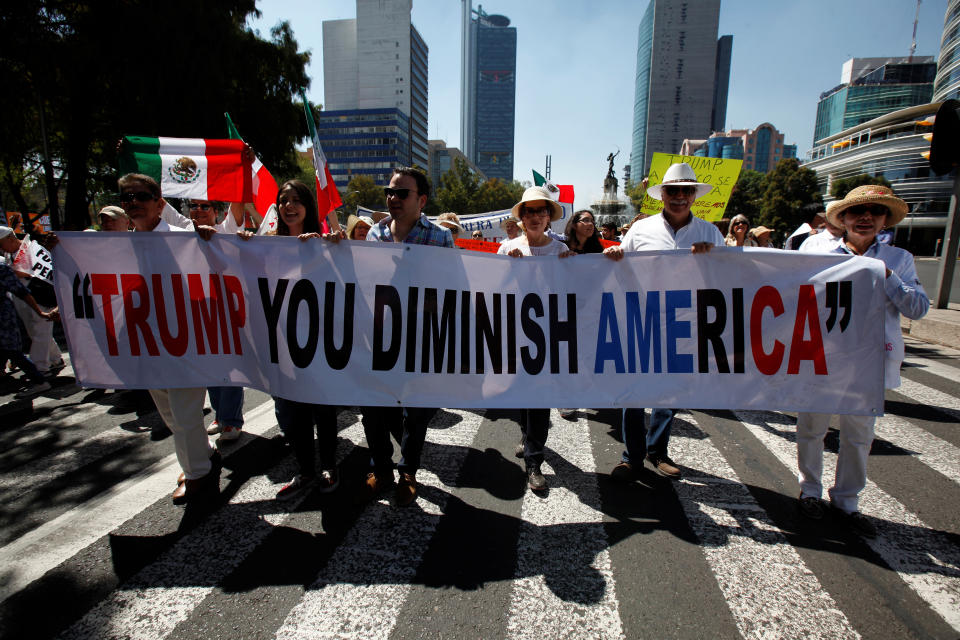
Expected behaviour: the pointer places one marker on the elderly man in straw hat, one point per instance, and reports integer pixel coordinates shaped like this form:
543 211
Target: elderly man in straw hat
511 227
674 228
861 214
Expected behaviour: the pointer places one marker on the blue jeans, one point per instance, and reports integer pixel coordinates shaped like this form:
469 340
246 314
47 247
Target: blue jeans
227 405
297 421
410 422
640 441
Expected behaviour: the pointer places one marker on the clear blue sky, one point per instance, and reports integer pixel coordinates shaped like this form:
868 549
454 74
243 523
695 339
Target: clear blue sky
576 62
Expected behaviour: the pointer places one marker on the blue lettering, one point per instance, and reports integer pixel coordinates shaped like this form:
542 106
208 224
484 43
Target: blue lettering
608 349
647 330
677 362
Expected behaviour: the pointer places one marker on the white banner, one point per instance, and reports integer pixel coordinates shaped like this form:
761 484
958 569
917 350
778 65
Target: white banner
364 323
33 260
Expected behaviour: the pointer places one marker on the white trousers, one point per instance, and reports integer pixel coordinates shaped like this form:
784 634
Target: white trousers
182 411
43 348
856 436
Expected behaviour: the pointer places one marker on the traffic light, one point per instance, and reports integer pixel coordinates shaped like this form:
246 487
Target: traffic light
944 153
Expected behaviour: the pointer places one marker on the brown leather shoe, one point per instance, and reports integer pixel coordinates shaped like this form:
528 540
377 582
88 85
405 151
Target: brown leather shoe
665 467
624 472
181 478
406 491
373 486
192 489
216 464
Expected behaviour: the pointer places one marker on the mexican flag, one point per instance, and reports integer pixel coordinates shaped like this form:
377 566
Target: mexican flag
195 168
328 198
559 192
264 186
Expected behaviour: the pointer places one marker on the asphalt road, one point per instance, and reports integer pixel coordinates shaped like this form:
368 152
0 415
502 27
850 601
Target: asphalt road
91 546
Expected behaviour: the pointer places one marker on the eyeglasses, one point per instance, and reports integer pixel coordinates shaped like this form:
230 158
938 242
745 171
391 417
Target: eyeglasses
587 220
538 211
201 207
139 196
872 209
687 191
399 194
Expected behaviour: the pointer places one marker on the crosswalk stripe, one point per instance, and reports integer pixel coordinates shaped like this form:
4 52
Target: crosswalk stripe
152 603
917 553
564 580
751 559
928 396
57 540
936 453
362 589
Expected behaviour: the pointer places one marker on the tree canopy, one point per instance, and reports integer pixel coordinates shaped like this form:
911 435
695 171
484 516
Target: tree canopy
96 71
462 192
840 188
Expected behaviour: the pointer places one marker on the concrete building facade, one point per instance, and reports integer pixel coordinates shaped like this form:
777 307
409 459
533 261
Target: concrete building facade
681 78
441 161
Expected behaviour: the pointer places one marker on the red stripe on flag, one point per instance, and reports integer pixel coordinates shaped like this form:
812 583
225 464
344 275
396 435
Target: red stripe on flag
229 177
264 191
566 193
328 199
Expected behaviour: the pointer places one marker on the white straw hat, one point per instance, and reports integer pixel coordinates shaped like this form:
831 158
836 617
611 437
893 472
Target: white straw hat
679 175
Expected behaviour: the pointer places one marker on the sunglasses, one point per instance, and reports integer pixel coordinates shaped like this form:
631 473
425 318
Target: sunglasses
399 194
673 191
539 211
201 207
740 224
587 220
872 209
139 196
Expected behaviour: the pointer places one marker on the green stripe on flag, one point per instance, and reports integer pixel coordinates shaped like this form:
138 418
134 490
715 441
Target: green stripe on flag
232 132
141 155
537 178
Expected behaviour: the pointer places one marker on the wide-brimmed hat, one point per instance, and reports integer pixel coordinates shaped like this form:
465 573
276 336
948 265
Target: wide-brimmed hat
503 223
353 221
114 212
539 193
450 218
760 231
868 194
679 175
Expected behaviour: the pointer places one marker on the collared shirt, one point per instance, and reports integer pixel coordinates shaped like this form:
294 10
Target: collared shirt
654 233
555 248
822 242
423 232
905 295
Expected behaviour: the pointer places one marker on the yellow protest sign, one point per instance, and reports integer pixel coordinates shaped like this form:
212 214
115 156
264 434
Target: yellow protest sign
722 173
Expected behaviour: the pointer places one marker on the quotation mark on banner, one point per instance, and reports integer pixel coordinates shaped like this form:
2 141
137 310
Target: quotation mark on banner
839 296
82 300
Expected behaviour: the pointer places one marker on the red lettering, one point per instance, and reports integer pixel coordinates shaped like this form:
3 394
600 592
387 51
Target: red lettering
236 309
136 315
105 286
175 346
206 315
766 298
812 349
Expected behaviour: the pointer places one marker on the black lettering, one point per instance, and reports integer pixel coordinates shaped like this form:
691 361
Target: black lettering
487 336
271 310
338 358
511 333
303 291
565 331
436 333
464 332
532 364
738 333
384 297
413 295
711 332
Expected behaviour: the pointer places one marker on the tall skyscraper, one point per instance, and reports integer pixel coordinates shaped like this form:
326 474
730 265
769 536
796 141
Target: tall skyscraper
375 92
947 85
682 76
488 90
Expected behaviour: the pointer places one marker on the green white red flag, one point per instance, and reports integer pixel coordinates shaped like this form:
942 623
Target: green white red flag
197 168
328 198
559 192
264 186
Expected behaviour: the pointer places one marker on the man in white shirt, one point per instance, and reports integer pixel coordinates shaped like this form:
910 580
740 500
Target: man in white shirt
814 219
181 409
674 228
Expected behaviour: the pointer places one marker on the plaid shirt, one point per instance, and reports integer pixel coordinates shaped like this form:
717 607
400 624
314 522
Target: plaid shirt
424 232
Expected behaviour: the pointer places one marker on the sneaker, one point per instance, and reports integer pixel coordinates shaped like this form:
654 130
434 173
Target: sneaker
856 521
624 472
811 507
228 434
328 481
295 486
214 428
373 486
406 491
518 452
535 479
567 413
32 390
665 467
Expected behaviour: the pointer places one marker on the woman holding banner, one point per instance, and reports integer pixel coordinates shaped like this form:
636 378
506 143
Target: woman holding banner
297 216
582 233
536 210
861 214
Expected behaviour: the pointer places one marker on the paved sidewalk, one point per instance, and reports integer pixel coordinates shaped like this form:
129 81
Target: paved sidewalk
940 326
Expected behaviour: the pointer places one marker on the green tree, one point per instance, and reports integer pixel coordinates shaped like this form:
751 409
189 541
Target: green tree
458 189
363 191
788 187
747 195
495 195
635 191
176 68
840 188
